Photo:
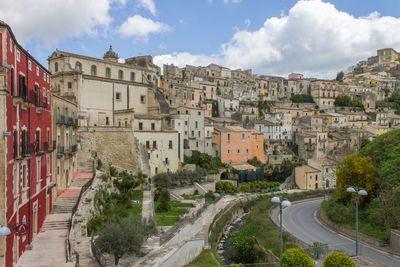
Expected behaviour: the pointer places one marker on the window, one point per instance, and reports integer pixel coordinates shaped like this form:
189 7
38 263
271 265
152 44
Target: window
143 99
15 143
56 67
199 134
118 96
186 123
192 133
170 144
93 70
199 113
192 96
196 124
187 111
229 137
155 144
120 74
108 72
153 126
37 71
69 85
247 151
132 76
238 151
29 65
147 144
78 66
256 137
18 56
24 180
243 136
166 161
197 144
16 179
107 121
140 126
229 151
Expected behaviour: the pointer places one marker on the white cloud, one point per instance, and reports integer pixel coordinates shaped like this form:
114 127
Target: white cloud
51 21
149 5
314 38
140 26
232 1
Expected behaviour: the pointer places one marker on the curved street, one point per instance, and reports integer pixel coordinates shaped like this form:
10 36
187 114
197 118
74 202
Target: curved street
299 220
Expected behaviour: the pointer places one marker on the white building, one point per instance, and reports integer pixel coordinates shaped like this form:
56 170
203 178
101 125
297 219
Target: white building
226 106
158 145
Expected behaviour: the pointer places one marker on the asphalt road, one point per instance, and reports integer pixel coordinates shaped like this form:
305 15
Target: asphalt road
299 220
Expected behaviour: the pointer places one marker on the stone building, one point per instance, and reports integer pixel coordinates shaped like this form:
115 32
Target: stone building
65 125
102 86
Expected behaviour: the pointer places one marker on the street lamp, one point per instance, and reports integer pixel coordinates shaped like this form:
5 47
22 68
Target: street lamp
282 204
327 186
361 192
4 230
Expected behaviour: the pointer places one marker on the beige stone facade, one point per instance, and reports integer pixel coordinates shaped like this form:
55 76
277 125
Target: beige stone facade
103 86
65 124
308 178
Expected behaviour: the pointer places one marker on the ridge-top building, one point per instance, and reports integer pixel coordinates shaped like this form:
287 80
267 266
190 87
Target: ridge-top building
25 147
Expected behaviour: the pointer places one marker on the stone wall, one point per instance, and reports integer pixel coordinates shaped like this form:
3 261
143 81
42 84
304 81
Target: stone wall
185 254
112 145
189 190
395 240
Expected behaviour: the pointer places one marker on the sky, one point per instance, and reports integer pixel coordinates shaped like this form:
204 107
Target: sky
271 37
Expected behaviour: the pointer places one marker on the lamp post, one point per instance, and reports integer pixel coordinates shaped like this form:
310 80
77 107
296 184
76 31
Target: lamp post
4 230
327 186
282 203
361 192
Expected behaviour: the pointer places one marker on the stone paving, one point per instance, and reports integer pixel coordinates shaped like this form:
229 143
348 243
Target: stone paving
147 205
49 246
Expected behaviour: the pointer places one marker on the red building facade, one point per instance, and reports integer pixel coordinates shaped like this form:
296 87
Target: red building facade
25 170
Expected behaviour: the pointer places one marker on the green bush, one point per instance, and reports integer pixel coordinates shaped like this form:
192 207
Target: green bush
113 170
255 162
99 164
302 98
210 196
296 257
226 188
179 178
163 206
338 259
258 186
205 161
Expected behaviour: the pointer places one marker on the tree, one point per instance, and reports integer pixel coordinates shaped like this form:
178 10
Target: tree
124 237
242 245
340 76
255 162
317 249
210 196
302 98
338 259
296 257
125 183
345 101
357 171
163 197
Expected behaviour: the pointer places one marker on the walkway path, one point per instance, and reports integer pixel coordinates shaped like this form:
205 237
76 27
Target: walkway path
147 205
49 246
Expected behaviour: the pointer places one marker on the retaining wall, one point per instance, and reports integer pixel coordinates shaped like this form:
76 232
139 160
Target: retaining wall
395 240
186 253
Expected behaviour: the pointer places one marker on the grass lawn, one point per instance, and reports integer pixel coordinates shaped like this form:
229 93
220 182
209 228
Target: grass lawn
205 259
136 208
172 216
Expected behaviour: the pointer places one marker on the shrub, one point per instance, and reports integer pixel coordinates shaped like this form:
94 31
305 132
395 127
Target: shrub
226 188
113 171
296 257
255 162
210 196
338 259
99 164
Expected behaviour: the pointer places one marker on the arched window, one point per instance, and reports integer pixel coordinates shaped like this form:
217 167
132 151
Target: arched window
78 66
108 72
56 67
132 76
93 70
120 74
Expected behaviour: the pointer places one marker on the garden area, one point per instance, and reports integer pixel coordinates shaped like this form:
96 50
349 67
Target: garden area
116 220
179 178
167 211
228 188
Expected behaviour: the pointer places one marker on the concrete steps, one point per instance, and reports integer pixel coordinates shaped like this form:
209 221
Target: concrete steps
87 166
79 182
64 204
54 225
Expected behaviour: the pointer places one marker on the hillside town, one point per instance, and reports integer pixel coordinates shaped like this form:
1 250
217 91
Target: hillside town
63 121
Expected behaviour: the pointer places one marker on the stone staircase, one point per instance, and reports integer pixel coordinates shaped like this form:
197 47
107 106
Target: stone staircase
87 166
54 225
64 204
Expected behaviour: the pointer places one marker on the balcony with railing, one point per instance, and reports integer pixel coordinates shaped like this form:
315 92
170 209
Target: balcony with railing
61 119
23 96
41 104
28 150
74 148
60 150
70 121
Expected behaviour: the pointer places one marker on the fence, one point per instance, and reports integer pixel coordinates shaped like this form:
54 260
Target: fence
75 207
